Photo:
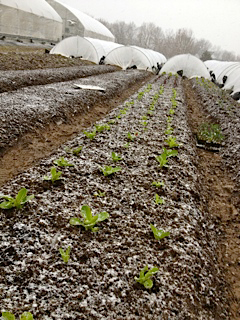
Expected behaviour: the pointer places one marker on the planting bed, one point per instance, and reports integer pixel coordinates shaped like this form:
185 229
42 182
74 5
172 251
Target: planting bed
98 281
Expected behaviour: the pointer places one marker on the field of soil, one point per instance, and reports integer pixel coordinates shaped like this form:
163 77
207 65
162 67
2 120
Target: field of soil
43 117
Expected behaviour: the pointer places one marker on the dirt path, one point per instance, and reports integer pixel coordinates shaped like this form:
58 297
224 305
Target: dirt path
221 194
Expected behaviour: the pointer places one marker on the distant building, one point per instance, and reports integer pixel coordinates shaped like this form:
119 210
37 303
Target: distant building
28 19
78 23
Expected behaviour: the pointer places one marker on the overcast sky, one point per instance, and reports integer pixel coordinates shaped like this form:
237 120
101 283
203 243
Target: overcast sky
215 20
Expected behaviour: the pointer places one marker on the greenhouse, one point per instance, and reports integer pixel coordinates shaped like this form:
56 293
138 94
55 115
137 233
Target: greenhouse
83 47
135 57
229 70
186 64
76 22
27 19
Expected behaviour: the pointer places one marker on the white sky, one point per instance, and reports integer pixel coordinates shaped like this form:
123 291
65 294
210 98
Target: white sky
215 20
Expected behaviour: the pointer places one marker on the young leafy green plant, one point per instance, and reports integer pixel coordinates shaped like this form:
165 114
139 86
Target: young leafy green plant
61 162
55 175
65 254
130 137
162 159
107 170
89 220
171 141
169 130
75 151
90 135
115 157
158 200
158 184
144 118
144 123
171 111
18 202
140 95
111 121
100 194
145 275
159 234
169 119
123 111
102 127
10 316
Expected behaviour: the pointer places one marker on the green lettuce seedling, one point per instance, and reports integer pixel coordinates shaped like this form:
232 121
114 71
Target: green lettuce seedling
115 157
61 162
65 254
10 316
144 118
130 137
158 200
55 175
18 202
162 159
111 121
75 151
171 111
159 234
171 141
169 119
107 170
140 95
89 220
169 131
99 194
90 135
158 184
102 127
145 275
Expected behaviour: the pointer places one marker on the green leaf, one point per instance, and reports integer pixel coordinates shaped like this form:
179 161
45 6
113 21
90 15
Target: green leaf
102 216
162 159
115 157
86 212
75 221
159 234
158 184
77 150
26 316
21 198
65 254
90 135
158 200
7 204
107 170
148 284
8 316
61 162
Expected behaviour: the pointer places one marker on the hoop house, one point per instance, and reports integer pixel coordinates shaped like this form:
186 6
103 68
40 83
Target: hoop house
128 56
86 48
189 64
78 23
30 19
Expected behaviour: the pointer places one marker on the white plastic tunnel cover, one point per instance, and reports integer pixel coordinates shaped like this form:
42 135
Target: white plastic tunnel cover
86 48
189 64
133 56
